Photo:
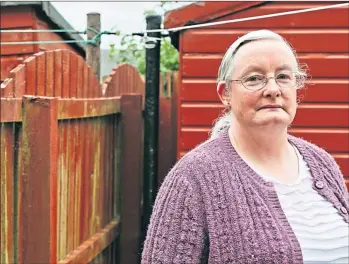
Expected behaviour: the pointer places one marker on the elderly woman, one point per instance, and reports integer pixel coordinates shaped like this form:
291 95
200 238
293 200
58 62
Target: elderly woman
253 193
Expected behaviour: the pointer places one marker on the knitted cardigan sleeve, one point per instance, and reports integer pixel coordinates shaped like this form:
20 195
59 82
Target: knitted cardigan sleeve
176 230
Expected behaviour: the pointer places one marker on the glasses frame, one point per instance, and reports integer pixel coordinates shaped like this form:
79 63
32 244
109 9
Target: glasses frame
266 80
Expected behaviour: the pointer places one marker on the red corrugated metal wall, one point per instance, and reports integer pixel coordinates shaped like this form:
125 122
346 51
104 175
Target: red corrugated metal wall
321 39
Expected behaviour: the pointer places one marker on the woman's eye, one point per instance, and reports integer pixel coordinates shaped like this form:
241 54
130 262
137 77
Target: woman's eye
284 76
254 78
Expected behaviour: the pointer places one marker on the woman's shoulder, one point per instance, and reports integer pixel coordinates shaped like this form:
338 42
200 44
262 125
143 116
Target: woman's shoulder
310 148
200 159
204 153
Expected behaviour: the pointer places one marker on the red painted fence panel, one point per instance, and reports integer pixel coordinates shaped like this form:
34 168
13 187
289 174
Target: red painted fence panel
61 155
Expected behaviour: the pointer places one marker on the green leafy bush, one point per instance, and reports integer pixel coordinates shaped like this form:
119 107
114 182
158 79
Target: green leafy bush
132 50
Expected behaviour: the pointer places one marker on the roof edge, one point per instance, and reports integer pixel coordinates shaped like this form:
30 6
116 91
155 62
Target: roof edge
201 12
56 18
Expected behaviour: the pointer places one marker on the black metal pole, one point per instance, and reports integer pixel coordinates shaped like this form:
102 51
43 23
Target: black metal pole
151 121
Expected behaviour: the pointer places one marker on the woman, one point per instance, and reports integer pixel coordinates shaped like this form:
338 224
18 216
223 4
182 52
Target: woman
253 193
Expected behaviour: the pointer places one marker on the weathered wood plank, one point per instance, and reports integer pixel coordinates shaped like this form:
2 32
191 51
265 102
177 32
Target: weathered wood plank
59 190
73 75
166 156
79 149
18 75
115 83
101 171
19 188
86 82
175 115
90 248
116 161
30 67
40 138
66 73
70 157
63 156
84 108
71 184
93 178
8 234
91 82
79 77
58 73
130 176
40 73
85 225
7 88
11 110
50 74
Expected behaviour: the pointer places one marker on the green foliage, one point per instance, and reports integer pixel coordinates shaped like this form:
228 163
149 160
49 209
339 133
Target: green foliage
168 56
132 49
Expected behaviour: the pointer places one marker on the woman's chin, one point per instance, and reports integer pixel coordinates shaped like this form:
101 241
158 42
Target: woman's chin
274 119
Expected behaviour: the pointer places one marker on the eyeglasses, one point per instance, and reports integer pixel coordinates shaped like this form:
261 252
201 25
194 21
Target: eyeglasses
285 79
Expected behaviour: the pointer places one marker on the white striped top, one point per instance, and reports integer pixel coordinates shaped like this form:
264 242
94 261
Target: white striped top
321 231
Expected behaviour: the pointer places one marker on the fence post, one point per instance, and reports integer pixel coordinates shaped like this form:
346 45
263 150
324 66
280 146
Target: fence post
130 178
166 129
38 197
175 122
151 122
93 51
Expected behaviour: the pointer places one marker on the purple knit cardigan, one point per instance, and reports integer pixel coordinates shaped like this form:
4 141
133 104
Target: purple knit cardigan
213 208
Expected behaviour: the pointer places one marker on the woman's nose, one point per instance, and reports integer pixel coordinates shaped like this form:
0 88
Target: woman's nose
271 89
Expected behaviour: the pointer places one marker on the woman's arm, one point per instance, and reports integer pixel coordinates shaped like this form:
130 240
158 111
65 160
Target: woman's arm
176 230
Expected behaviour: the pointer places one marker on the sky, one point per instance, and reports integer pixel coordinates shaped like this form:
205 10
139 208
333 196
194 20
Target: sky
124 16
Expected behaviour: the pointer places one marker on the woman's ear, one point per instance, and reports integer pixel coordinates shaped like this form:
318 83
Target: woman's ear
222 93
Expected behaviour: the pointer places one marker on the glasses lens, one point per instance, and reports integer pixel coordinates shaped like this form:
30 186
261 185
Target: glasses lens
286 79
253 82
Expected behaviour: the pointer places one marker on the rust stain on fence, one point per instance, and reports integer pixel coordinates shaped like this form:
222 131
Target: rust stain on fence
82 108
7 196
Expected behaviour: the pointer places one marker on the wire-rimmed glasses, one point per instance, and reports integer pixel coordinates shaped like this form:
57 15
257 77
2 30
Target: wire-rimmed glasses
285 79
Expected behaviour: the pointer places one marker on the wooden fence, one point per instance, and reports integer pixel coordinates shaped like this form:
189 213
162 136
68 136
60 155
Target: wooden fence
167 153
70 162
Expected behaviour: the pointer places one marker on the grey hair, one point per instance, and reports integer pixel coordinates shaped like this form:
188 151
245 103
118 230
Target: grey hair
226 69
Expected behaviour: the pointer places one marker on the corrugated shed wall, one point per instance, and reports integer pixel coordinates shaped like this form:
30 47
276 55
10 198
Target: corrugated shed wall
321 39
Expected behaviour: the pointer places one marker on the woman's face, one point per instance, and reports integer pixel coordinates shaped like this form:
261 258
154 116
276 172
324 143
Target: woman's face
267 57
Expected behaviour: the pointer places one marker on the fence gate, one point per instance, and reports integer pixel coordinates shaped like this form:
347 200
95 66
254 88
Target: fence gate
70 162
